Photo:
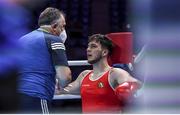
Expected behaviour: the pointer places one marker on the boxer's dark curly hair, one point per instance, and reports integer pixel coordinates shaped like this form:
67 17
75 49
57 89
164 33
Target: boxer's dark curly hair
103 40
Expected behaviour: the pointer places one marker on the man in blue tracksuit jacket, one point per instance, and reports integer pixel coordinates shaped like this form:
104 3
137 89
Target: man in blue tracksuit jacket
43 60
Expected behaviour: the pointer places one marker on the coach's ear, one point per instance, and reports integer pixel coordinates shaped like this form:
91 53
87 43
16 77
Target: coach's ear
54 28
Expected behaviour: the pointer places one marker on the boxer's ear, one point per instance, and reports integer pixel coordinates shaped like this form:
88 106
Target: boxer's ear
105 52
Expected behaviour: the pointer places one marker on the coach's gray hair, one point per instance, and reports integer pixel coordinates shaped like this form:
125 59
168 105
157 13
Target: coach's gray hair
49 16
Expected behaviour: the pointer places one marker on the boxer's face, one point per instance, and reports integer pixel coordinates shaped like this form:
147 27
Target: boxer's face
94 52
